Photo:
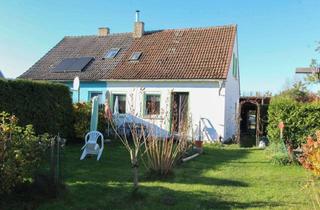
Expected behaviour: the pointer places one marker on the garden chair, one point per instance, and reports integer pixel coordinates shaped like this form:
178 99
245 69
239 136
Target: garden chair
91 146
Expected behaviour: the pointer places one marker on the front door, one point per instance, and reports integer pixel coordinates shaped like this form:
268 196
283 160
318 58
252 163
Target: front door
179 111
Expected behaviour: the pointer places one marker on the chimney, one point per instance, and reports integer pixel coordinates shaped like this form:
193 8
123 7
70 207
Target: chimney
138 29
104 31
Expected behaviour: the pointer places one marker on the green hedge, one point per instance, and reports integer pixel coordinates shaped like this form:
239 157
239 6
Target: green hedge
300 119
82 115
47 106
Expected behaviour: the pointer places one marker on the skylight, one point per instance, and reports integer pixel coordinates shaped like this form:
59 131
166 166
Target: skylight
135 56
112 53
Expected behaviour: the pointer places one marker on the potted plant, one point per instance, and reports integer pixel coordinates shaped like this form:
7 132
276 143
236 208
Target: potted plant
198 143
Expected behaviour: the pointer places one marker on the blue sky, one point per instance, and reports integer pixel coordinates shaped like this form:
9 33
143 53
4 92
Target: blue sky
274 37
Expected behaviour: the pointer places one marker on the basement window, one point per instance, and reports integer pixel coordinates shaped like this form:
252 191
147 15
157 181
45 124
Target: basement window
135 56
112 53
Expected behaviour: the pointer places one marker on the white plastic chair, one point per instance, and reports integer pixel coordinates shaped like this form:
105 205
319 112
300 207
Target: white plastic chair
91 145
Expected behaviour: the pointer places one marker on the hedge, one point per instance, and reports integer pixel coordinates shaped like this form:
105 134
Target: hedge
82 115
47 106
300 119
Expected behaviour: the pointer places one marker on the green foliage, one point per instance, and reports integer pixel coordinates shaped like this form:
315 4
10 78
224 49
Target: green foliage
277 154
297 92
310 159
300 119
21 152
47 106
82 114
226 178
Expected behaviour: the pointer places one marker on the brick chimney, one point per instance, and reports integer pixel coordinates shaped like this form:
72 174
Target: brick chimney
104 31
138 29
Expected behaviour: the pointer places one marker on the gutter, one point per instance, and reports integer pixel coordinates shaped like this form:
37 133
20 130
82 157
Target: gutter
165 80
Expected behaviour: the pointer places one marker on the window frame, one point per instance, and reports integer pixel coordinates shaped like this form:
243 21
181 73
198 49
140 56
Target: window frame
112 99
98 92
144 104
117 50
135 59
235 66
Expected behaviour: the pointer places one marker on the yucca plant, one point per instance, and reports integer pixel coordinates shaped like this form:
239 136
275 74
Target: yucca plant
161 155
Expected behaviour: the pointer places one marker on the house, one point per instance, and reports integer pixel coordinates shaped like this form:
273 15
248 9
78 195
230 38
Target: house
166 78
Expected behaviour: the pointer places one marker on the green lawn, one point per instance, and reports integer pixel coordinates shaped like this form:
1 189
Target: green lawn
221 178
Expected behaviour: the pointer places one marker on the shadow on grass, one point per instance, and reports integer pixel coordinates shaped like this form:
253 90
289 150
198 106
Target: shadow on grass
106 184
151 198
193 172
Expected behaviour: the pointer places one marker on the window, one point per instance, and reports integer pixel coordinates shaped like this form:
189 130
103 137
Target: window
135 56
96 93
112 53
235 66
121 106
152 104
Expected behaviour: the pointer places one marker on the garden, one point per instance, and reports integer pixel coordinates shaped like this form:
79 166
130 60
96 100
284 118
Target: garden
41 137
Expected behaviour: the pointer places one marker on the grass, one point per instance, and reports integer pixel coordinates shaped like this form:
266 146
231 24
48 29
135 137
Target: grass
221 178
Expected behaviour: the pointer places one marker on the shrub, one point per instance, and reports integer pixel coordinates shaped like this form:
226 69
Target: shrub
277 154
21 152
47 106
82 114
161 155
310 158
300 119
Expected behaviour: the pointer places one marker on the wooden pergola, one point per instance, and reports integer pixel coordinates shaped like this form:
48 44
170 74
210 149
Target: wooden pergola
258 102
309 70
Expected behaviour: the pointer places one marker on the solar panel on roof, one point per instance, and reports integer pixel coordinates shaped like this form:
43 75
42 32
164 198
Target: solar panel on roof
80 64
72 64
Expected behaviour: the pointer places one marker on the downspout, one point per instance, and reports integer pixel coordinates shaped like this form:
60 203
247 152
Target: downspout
221 83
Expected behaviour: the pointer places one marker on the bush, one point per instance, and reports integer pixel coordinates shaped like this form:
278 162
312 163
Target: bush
21 152
47 106
82 114
161 155
310 158
300 119
277 154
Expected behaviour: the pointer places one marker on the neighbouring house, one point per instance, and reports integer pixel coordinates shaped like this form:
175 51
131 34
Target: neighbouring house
165 78
1 75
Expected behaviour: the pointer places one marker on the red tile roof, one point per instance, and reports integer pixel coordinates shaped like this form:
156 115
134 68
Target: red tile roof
199 53
203 53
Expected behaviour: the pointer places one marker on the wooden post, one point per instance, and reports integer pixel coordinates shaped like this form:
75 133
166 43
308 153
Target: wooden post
238 122
315 70
258 124
79 95
281 127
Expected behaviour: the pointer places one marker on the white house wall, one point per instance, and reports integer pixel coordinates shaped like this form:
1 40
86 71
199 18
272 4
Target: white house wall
232 88
204 102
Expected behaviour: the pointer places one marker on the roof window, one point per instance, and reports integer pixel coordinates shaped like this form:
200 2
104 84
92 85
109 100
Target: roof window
135 56
112 53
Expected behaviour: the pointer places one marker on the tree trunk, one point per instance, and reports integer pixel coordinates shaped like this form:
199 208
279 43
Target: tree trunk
135 173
